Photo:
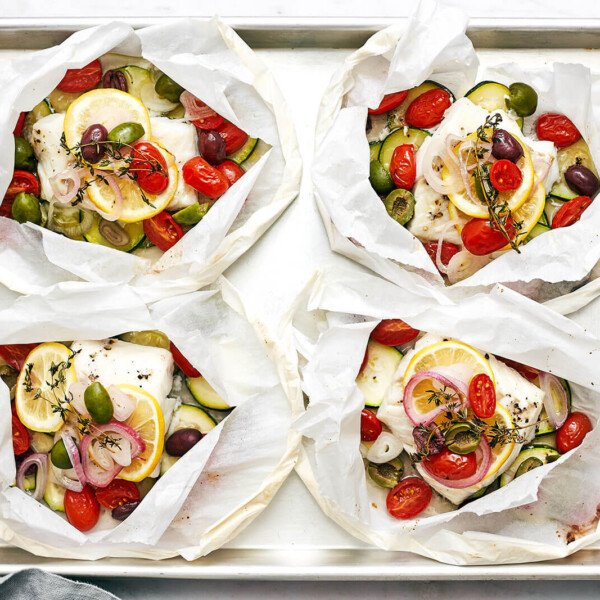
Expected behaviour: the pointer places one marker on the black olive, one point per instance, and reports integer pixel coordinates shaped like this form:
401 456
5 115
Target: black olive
115 80
212 147
581 180
182 441
120 513
92 143
505 146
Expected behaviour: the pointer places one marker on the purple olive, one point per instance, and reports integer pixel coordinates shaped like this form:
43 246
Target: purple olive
505 146
212 147
581 180
116 80
182 441
120 513
92 143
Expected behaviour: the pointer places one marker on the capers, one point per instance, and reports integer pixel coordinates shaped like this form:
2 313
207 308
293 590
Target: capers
523 99
26 207
388 474
533 462
400 205
125 134
462 438
113 233
23 154
151 337
98 403
167 88
380 179
59 456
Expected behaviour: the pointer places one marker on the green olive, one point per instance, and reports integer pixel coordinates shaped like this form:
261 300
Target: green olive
380 179
523 99
400 205
462 438
125 134
190 215
167 88
98 403
59 456
388 474
26 207
528 465
23 152
152 337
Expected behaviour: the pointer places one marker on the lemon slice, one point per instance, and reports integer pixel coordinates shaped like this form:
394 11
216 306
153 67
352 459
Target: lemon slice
147 419
513 198
43 382
500 452
108 107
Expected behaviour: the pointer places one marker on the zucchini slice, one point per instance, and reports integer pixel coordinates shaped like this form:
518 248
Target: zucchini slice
491 96
55 496
579 152
41 442
374 148
410 135
60 101
244 152
378 374
551 208
528 459
137 78
134 230
204 394
260 149
538 229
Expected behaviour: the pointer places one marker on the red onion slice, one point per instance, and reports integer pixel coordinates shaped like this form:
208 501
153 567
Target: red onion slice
73 453
385 448
67 176
556 401
123 403
40 460
442 268
62 478
117 209
194 107
77 391
125 432
434 153
95 474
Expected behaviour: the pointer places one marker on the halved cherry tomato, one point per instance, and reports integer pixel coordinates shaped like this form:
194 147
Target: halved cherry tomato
571 434
116 493
370 426
448 251
427 110
163 231
82 508
530 373
481 237
558 129
182 362
482 396
409 498
232 171
81 80
403 166
22 181
234 137
451 466
16 354
393 332
19 125
204 177
570 212
505 176
150 167
20 436
389 101
207 123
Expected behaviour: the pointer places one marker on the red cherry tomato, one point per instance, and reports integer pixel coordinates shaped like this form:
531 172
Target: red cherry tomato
182 362
116 493
448 251
505 176
530 373
393 332
482 396
408 498
16 354
571 434
207 123
427 110
481 237
557 129
150 167
19 125
20 436
81 80
163 231
451 466
570 212
22 181
82 508
403 166
370 426
389 101
234 137
204 177
232 171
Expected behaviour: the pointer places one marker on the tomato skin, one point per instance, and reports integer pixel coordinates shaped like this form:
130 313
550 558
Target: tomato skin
116 493
20 436
22 181
482 396
530 373
234 137
16 354
82 508
146 159
207 123
427 110
393 332
570 212
389 101
403 166
451 466
480 237
448 251
182 362
408 498
81 80
204 177
19 125
163 231
370 426
505 175
571 434
232 171
558 129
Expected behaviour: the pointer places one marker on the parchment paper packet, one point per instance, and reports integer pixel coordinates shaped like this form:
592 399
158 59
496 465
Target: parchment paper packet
433 45
531 519
208 59
221 484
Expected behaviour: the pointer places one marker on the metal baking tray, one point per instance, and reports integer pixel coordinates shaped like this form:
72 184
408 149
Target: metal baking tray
292 539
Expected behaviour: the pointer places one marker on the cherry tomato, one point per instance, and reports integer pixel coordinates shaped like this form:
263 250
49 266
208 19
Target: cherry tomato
82 508
19 125
207 123
530 373
163 231
234 137
370 426
150 167
389 101
22 181
557 129
116 493
15 354
20 436
403 166
571 434
182 362
451 466
81 80
482 396
481 237
427 110
409 498
448 251
505 175
570 212
204 177
393 332
232 171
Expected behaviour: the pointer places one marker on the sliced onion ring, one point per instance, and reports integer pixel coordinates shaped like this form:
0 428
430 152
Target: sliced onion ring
40 460
385 448
123 403
71 175
62 478
95 474
73 453
194 107
556 401
128 433
435 151
77 391
117 209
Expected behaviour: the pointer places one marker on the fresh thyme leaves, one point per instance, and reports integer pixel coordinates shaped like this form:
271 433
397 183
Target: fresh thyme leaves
439 397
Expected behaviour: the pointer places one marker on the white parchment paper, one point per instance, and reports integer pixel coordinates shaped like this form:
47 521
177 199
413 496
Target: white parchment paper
218 487
534 517
211 61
